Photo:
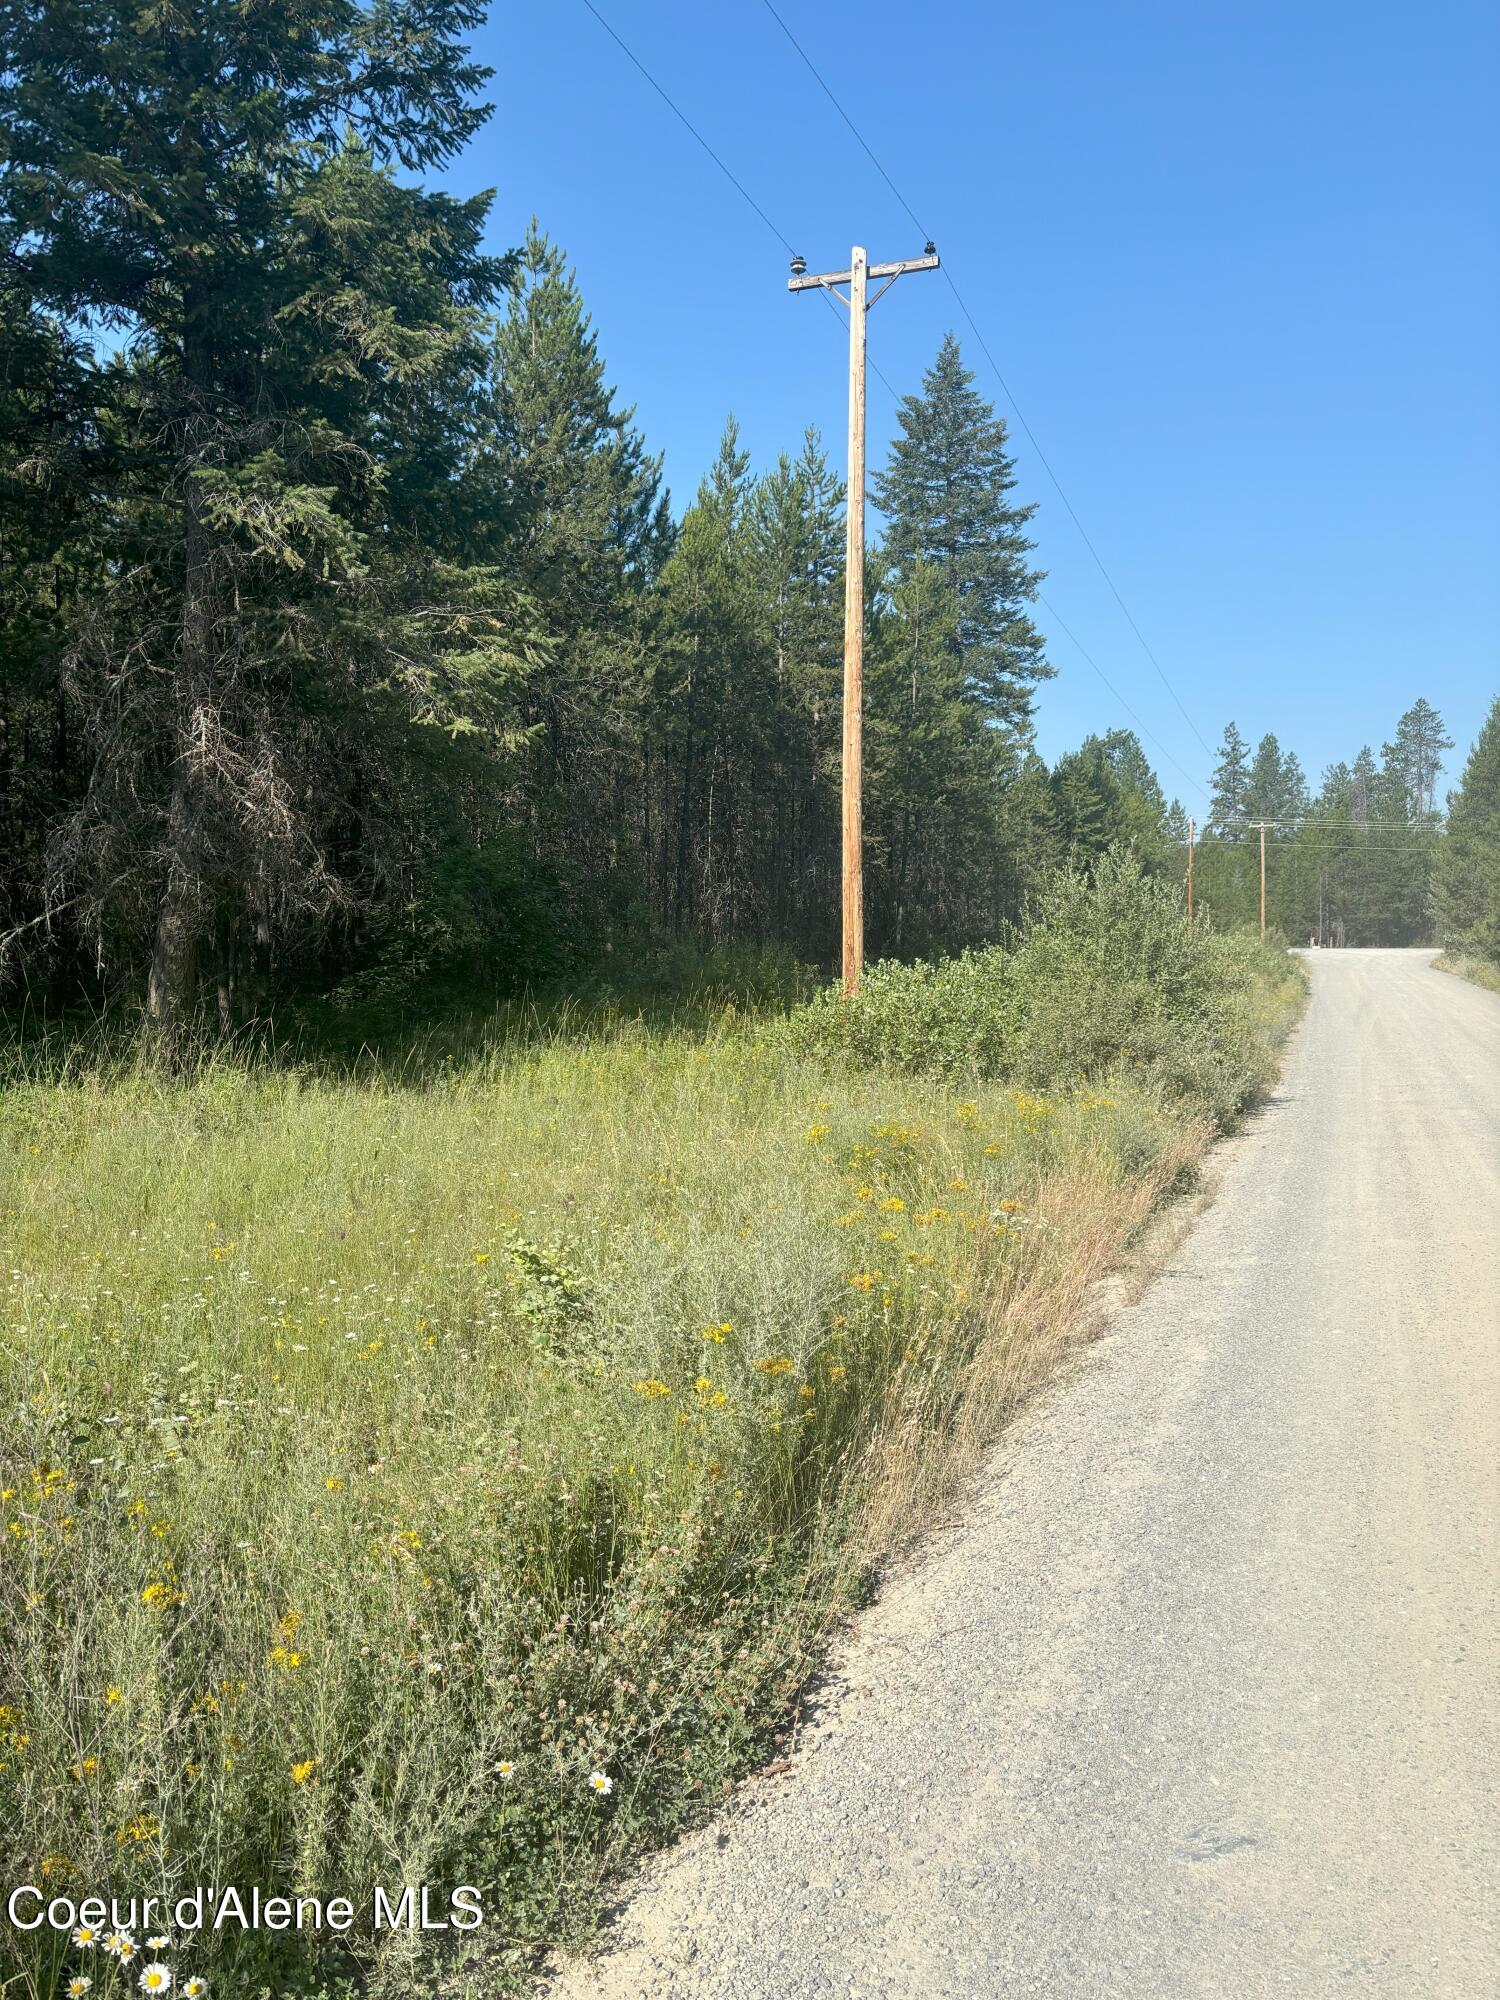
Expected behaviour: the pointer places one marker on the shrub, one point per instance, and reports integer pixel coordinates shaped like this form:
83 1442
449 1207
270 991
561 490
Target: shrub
1107 978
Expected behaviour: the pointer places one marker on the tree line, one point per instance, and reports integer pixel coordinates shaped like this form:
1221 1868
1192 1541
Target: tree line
349 640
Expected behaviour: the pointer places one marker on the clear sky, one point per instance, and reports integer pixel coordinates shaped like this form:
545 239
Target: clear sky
1238 263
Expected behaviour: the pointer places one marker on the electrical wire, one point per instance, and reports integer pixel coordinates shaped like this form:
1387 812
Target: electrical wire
1005 388
734 181
1068 633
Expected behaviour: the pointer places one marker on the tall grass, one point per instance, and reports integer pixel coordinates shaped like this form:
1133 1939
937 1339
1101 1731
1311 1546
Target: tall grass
1478 971
394 1459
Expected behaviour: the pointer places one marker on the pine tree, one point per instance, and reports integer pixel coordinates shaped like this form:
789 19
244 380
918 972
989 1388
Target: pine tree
289 412
944 493
1230 786
588 527
1468 862
1416 756
1270 788
1107 795
795 556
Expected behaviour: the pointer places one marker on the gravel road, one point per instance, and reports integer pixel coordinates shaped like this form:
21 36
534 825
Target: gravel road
1198 1696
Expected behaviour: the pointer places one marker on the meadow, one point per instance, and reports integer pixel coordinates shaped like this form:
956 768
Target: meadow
445 1471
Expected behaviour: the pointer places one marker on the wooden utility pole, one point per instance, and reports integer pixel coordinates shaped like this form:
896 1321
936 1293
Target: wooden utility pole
857 277
1262 878
1190 871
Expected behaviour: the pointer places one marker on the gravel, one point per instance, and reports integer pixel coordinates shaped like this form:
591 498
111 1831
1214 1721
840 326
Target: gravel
1196 1697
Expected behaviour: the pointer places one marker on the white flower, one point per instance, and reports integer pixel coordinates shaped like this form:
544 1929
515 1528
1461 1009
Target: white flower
600 1784
155 1978
505 1769
78 1985
120 1944
85 1937
161 1942
194 1988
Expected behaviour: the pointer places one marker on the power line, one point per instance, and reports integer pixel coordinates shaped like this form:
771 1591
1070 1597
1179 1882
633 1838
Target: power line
1331 826
1068 633
682 117
733 179
999 377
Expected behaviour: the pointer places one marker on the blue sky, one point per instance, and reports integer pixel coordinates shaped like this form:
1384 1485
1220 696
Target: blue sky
1238 263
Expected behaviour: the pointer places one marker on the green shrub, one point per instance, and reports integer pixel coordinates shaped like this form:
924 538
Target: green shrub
1107 979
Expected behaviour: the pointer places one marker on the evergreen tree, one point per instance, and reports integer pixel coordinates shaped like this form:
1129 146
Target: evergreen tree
795 532
1273 786
1468 862
936 772
1230 786
1106 795
588 528
1416 756
301 344
944 493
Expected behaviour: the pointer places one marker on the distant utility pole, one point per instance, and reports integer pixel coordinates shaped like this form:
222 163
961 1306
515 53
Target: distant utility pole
856 277
1262 878
1190 870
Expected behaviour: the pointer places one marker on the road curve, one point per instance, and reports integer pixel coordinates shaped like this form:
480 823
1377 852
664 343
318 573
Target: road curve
1197 1700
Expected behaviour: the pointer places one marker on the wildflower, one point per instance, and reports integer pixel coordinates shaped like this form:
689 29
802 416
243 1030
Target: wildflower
85 1937
120 1944
815 1134
155 1978
717 1331
864 1281
85 1768
1011 1207
599 1783
161 1942
774 1364
140 1829
195 1988
836 1371
78 1985
303 1771
651 1387
505 1769
893 1204
334 1483
112 1695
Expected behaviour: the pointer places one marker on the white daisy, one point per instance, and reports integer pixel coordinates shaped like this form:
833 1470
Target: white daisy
120 1944
85 1937
78 1985
155 1978
195 1988
600 1784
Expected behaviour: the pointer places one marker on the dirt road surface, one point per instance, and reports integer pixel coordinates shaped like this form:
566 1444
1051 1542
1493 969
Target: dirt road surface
1198 1696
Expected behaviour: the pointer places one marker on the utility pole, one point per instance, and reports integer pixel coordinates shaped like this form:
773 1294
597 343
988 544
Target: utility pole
1262 878
857 277
1190 870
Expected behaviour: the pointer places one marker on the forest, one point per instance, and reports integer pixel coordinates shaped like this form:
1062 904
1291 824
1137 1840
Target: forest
351 645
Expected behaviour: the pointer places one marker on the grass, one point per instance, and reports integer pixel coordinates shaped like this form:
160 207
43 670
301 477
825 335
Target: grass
1479 971
446 1473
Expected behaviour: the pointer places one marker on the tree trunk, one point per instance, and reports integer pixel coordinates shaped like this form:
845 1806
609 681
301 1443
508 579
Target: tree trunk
171 985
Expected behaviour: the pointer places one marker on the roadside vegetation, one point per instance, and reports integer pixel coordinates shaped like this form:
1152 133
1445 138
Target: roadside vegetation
1468 869
1478 971
444 1470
